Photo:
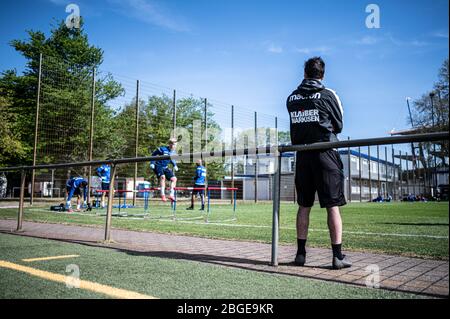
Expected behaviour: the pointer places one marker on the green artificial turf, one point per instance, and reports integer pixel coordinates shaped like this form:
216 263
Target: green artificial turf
155 276
410 229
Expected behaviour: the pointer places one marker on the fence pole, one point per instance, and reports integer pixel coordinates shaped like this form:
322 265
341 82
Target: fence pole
407 174
23 176
36 126
414 168
360 172
256 157
276 143
378 169
276 210
394 186
370 175
205 119
386 171
174 112
110 204
349 173
136 143
233 146
400 175
91 135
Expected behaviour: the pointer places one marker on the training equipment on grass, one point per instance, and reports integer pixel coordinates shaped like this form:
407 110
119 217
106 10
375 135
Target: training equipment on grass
146 211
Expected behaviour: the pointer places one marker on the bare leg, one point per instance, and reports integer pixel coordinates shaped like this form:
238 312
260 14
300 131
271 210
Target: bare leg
335 225
192 199
303 222
173 183
162 183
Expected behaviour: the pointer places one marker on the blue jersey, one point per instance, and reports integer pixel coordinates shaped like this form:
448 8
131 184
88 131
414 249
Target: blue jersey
200 175
73 184
104 172
161 151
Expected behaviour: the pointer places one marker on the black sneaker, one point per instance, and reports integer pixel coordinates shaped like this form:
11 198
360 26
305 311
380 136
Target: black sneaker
203 208
300 260
339 264
190 208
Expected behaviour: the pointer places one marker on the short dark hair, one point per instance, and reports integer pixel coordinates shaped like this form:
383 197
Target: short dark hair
315 68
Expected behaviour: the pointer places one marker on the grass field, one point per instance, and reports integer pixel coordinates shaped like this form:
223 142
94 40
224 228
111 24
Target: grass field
149 276
410 229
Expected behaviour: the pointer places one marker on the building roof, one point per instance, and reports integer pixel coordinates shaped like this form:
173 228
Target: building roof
365 156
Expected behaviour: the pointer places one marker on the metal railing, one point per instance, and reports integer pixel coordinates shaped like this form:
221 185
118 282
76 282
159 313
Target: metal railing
275 151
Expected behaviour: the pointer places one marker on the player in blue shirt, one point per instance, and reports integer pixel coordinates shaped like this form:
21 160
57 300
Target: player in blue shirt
162 171
199 182
73 187
104 172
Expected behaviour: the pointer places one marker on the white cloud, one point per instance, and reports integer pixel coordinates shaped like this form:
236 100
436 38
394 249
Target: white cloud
275 49
368 40
149 12
415 43
322 50
440 34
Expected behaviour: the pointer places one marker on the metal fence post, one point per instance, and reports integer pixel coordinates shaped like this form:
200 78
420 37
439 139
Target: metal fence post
233 146
91 135
386 171
36 126
400 177
110 204
205 119
349 173
21 200
174 112
407 174
370 175
394 186
360 173
136 143
378 169
276 210
256 157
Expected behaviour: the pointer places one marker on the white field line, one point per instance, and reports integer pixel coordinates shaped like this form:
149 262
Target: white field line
2 207
266 226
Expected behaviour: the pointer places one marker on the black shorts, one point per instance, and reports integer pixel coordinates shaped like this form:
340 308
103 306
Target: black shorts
199 192
163 171
105 186
321 172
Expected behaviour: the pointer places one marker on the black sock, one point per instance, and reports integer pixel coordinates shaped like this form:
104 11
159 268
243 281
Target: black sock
301 246
337 251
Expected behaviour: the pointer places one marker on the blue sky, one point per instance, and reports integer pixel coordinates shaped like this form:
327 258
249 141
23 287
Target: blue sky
250 53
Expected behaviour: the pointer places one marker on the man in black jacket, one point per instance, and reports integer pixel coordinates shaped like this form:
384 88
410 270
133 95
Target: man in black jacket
316 116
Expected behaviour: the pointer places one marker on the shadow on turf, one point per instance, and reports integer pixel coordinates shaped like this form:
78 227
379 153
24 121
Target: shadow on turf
237 262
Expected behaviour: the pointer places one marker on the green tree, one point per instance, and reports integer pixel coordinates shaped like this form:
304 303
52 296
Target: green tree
68 59
430 113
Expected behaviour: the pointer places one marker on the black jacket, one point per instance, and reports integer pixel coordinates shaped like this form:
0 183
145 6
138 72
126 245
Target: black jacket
315 113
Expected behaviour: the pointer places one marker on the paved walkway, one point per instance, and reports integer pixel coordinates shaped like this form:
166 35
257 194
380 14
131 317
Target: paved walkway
415 275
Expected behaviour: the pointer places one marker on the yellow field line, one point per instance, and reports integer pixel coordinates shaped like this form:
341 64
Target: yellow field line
83 284
49 258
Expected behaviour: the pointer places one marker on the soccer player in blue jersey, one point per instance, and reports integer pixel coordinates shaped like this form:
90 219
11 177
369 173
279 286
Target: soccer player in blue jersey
74 186
199 182
104 172
162 171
